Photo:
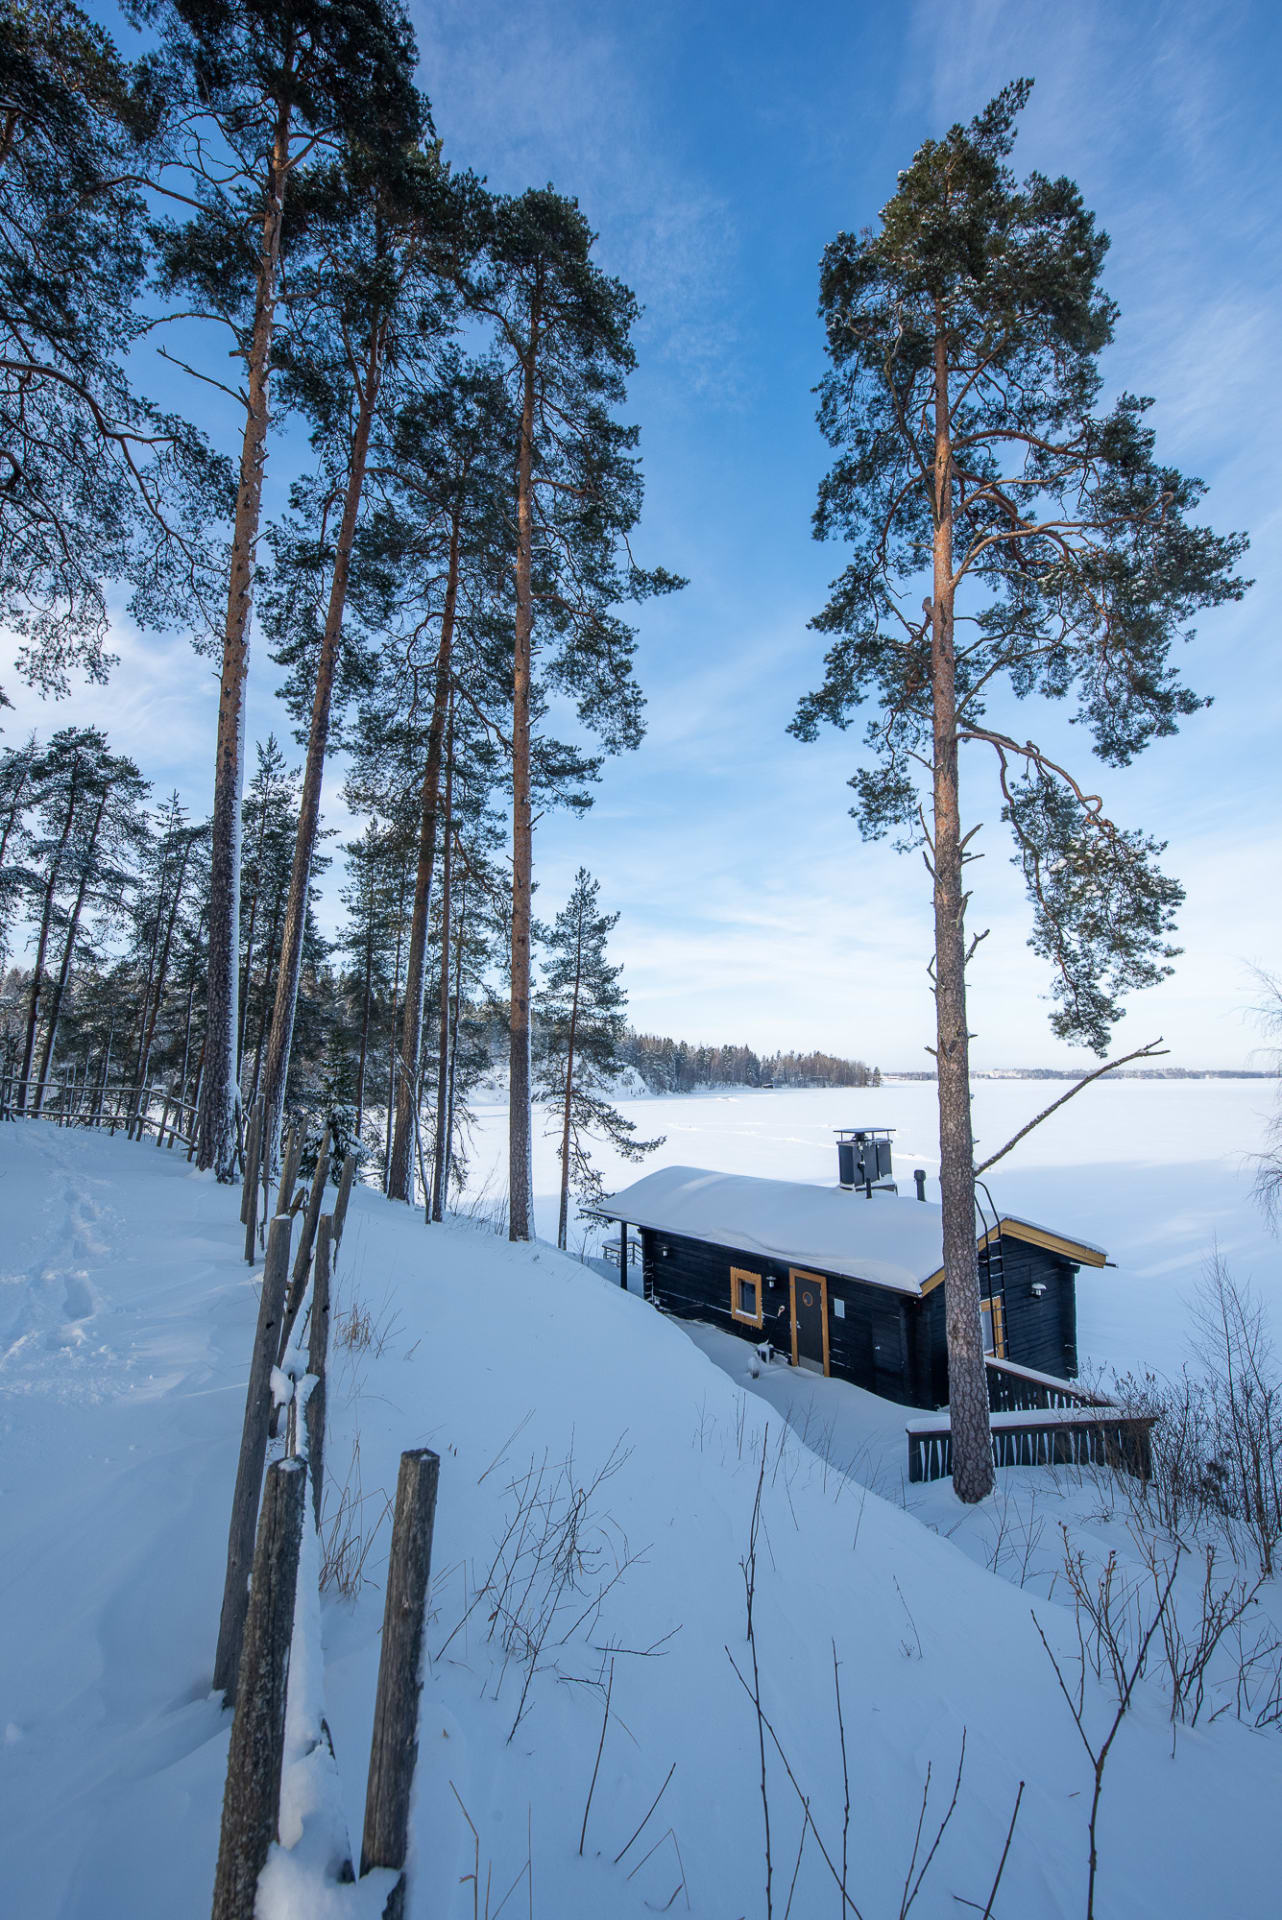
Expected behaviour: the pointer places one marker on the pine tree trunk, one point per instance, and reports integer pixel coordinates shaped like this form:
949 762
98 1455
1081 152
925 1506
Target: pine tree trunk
162 969
440 1158
42 944
563 1220
391 1037
242 1036
454 1027
281 1038
365 1003
216 1139
68 949
967 1374
265 1002
400 1175
520 1194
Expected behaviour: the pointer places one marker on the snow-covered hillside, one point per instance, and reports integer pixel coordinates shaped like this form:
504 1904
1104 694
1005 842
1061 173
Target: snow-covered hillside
597 1486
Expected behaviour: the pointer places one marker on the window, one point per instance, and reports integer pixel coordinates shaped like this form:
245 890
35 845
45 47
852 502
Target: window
994 1329
745 1296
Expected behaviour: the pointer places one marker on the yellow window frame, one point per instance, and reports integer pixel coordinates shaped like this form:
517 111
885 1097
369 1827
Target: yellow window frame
740 1283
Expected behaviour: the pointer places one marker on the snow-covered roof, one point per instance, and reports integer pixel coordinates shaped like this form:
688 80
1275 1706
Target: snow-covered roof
889 1240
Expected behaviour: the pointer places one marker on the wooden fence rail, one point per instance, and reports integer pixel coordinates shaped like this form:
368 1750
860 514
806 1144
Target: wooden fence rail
1080 1436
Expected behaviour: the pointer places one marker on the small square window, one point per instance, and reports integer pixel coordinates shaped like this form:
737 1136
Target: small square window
745 1296
839 1309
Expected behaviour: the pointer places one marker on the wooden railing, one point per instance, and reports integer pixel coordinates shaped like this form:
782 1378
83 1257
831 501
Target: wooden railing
1037 1420
1081 1436
133 1110
1015 1389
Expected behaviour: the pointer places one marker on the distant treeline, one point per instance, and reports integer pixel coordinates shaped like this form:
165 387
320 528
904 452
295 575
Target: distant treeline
674 1066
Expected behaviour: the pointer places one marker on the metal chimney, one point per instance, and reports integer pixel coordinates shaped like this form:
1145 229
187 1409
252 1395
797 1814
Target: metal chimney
863 1157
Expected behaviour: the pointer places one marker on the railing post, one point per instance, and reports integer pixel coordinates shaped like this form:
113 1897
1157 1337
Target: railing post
394 1748
251 1798
253 1451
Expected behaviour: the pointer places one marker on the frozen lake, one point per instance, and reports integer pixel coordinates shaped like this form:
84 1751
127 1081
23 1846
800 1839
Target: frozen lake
1158 1172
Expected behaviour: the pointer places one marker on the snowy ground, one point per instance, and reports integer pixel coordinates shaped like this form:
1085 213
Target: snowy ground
125 1325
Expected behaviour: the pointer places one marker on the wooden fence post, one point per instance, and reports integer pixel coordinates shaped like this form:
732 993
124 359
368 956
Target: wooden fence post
251 1798
249 1204
394 1748
344 1195
317 1356
288 1167
303 1257
302 1262
253 1451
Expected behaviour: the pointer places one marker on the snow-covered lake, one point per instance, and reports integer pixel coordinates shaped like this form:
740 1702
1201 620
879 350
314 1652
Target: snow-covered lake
1158 1172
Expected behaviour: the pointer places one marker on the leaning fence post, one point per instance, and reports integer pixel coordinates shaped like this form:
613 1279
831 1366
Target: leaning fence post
317 1355
394 1748
253 1451
251 1798
344 1195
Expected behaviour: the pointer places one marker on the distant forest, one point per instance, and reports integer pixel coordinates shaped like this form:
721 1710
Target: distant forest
673 1066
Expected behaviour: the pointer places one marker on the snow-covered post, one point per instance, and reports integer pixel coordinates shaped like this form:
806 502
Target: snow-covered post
253 1451
317 1356
394 1748
251 1798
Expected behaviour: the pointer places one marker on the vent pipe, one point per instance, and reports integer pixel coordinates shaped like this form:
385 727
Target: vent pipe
919 1175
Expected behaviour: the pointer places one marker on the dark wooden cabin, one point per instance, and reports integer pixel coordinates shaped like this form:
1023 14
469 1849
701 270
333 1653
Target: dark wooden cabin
848 1283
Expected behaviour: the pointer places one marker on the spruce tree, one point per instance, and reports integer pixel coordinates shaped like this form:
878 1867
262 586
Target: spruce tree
563 332
1059 558
581 1030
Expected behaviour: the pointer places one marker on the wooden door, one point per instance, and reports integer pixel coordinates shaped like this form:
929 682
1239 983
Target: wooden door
808 1293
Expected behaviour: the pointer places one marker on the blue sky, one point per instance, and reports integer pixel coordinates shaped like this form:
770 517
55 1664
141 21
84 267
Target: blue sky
716 149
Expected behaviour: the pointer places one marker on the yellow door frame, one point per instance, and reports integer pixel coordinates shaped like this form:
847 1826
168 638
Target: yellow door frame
799 1273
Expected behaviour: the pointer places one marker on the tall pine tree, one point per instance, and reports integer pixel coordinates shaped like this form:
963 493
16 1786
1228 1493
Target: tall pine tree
1058 558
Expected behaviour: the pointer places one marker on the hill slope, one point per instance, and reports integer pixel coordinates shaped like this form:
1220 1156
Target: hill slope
621 1467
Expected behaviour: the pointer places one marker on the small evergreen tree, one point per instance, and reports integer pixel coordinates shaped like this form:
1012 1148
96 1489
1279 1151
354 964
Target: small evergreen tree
581 1031
973 460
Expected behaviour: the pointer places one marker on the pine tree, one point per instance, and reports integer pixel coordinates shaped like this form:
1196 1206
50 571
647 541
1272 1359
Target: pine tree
88 807
97 485
581 1029
374 301
271 86
563 331
444 547
963 401
18 791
